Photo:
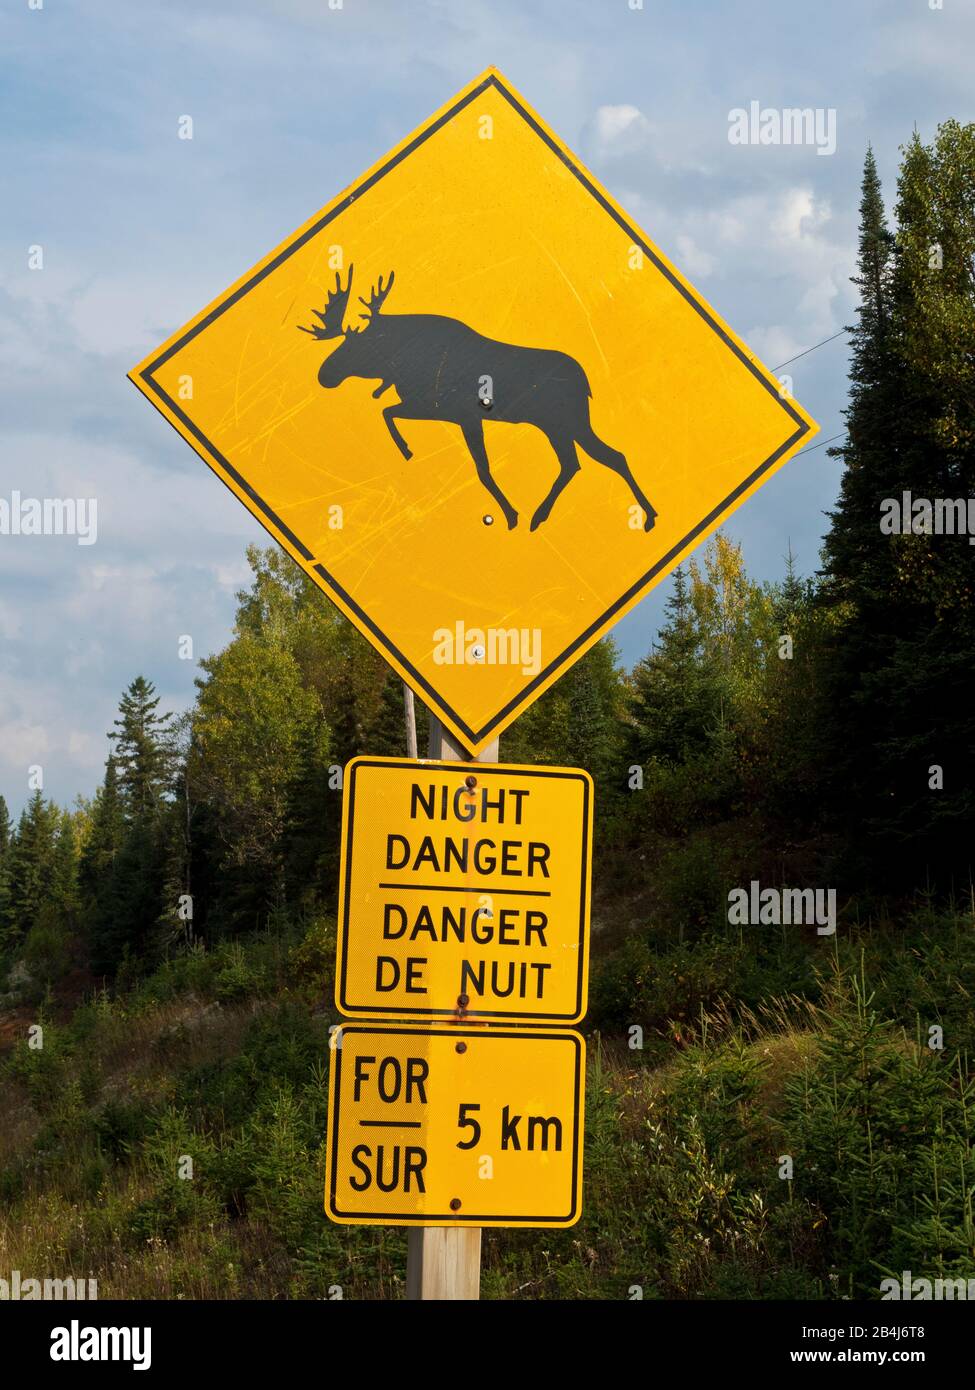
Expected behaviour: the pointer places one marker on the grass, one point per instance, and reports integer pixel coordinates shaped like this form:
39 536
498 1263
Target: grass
752 1053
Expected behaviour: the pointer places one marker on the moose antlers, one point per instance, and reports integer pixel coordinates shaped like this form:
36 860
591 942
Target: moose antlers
331 319
337 303
377 297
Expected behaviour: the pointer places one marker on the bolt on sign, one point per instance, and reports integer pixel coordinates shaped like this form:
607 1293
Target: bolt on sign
478 406
464 891
449 1126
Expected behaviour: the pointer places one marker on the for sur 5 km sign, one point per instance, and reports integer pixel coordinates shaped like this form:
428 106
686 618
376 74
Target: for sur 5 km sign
464 891
447 1126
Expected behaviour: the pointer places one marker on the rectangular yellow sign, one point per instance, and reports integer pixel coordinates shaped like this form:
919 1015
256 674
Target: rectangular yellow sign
464 891
449 1126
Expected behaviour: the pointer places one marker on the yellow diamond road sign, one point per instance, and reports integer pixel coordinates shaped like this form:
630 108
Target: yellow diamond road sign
464 891
508 415
445 1126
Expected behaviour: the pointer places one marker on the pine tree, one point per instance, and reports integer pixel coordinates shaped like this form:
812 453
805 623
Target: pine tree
852 550
64 887
124 862
101 888
675 693
387 735
6 835
791 596
314 819
32 858
901 655
926 684
594 693
143 753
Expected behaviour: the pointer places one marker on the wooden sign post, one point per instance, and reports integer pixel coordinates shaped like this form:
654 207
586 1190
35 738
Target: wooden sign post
444 1262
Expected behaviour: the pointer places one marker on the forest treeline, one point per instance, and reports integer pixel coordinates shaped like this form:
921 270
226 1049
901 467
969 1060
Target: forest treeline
814 731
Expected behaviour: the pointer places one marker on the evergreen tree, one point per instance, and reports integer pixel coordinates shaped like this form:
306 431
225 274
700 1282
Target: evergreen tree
182 911
32 857
675 693
314 819
595 694
143 752
125 858
577 722
858 567
851 545
900 657
6 835
65 869
792 596
100 883
387 736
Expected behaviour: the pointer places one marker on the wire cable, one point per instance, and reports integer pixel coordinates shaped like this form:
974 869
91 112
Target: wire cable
810 349
820 445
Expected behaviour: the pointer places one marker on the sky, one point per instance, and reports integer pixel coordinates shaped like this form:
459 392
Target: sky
290 101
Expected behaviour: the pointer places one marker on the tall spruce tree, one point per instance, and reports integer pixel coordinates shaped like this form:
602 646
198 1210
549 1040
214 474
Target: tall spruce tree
387 735
675 694
899 738
6 835
101 888
64 885
851 548
32 857
143 751
130 833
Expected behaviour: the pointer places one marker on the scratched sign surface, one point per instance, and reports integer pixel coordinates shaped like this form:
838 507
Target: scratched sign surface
477 405
464 891
448 1126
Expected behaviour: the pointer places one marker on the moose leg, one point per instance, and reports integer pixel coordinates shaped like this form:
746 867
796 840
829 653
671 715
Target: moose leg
565 450
612 458
474 435
390 413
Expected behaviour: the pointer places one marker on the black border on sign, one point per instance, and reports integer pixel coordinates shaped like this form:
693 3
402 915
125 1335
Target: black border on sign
477 736
413 769
439 1218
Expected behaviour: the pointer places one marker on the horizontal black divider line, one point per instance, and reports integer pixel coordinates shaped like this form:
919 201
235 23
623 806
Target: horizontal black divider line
390 1124
488 892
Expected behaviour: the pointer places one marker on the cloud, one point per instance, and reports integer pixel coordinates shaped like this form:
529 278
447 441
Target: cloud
619 130
799 215
692 259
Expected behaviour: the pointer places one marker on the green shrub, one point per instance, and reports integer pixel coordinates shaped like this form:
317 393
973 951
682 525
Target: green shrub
177 1199
236 976
48 947
881 1131
312 961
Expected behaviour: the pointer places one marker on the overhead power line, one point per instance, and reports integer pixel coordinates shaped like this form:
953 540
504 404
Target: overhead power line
820 445
809 350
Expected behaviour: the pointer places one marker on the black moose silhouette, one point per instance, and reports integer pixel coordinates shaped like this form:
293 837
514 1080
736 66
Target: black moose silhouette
443 370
